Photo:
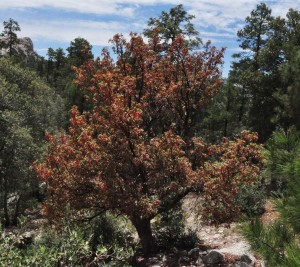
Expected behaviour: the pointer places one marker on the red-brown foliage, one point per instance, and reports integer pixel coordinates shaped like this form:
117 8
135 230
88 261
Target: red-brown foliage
138 151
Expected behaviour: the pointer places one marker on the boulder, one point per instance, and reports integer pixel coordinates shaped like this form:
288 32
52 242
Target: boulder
213 257
24 240
23 49
194 253
249 259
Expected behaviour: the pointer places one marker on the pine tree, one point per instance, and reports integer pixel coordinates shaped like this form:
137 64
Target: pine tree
10 28
169 25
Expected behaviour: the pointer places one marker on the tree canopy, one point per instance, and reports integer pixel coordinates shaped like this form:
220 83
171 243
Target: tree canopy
169 25
137 153
27 109
265 73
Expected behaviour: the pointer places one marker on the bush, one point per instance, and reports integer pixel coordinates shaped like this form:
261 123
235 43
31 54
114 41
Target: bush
284 167
252 199
169 231
10 255
288 205
275 242
111 236
278 242
281 149
71 246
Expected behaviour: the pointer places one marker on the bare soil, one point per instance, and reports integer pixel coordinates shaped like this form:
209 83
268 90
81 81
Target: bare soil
225 238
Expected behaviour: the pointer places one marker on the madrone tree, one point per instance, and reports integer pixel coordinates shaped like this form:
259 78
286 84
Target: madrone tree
138 153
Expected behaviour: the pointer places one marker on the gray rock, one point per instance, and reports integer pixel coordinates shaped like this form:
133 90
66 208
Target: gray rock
241 264
213 257
27 238
13 198
194 253
174 250
22 49
199 261
160 256
238 249
249 259
184 260
183 253
24 240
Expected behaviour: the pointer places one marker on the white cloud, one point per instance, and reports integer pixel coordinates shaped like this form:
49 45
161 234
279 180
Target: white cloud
222 14
216 20
128 7
281 8
235 49
103 7
218 13
97 33
215 34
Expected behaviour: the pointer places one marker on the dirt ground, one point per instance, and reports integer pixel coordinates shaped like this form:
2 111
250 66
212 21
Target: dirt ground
222 237
226 239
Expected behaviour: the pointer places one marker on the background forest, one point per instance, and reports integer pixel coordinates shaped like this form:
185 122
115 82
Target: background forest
99 148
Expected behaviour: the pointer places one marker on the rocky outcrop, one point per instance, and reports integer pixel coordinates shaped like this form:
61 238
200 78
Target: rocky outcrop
23 49
197 258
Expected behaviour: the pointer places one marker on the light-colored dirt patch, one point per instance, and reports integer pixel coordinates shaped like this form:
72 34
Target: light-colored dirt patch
271 214
224 237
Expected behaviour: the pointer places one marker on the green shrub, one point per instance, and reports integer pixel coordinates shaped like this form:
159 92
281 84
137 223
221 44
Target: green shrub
252 199
10 255
100 241
169 231
292 258
71 246
111 238
289 204
281 149
41 256
276 242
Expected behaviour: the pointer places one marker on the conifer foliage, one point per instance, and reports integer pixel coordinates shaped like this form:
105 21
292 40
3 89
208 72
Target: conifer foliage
10 28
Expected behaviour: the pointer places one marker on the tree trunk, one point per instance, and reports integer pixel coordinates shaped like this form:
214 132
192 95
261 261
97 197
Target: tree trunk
5 204
228 105
242 107
143 227
16 213
10 46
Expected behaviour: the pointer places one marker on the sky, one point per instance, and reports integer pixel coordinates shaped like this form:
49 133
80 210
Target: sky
55 23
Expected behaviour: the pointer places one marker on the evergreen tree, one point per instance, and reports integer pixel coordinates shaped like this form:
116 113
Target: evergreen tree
222 116
56 69
267 71
253 35
28 107
290 68
51 55
79 52
10 28
169 25
253 74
